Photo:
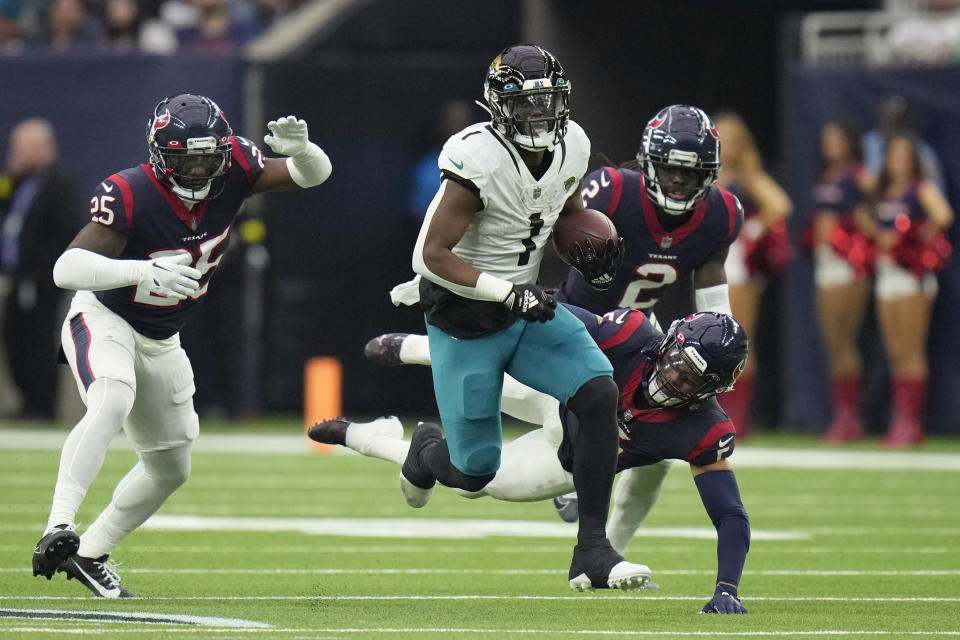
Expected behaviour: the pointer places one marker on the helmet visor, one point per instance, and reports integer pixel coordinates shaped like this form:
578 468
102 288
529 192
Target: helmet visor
676 379
680 183
535 113
195 170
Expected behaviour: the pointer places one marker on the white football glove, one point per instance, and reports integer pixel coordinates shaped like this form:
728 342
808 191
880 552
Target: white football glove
288 136
171 276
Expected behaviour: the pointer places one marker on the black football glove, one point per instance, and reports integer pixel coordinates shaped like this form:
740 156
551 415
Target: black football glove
724 600
530 302
598 269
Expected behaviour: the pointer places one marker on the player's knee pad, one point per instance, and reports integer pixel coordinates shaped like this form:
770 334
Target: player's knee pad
109 401
594 399
169 468
482 461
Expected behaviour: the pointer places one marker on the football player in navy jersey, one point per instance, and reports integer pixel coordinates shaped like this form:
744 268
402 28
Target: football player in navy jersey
676 227
667 411
140 266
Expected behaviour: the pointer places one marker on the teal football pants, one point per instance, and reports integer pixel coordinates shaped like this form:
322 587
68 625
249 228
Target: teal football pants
555 357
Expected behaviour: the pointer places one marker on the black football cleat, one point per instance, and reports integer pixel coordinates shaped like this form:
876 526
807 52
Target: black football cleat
97 574
330 431
385 349
568 507
600 567
53 549
359 436
417 483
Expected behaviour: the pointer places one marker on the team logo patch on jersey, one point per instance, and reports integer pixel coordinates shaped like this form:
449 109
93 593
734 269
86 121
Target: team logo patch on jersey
569 183
536 192
665 242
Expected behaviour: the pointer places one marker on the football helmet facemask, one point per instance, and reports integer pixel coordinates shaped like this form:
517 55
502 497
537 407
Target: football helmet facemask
680 157
528 97
189 142
700 356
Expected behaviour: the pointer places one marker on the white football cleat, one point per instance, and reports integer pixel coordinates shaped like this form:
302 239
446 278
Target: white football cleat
625 576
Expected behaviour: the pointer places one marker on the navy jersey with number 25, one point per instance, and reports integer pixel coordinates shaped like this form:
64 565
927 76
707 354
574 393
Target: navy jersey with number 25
157 223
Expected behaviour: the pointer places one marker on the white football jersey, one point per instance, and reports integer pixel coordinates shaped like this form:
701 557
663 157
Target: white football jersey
507 237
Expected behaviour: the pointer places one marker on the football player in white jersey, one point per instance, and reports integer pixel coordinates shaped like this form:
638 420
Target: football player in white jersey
504 184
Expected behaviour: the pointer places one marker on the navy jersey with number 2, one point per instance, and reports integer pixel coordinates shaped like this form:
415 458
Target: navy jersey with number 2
157 223
654 258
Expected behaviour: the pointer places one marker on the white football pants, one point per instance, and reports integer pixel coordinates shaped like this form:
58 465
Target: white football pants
129 382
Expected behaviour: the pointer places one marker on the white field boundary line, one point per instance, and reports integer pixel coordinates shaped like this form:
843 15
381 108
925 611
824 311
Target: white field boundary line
521 572
745 456
426 527
132 617
512 550
494 631
595 597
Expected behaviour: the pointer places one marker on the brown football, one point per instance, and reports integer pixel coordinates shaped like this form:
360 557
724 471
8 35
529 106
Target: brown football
579 225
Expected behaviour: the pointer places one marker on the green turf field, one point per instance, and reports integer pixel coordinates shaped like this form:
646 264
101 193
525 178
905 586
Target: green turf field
836 553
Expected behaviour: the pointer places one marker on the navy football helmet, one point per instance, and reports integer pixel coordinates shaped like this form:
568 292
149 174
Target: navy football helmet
679 157
189 141
528 97
700 356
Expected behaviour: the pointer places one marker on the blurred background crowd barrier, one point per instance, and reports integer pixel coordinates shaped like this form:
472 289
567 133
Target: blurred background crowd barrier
309 272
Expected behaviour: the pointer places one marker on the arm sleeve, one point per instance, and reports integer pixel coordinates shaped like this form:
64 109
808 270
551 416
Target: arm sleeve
79 269
721 498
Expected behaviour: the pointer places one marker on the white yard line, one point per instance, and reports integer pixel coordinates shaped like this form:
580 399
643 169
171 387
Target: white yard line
459 550
646 595
495 631
745 456
460 528
516 572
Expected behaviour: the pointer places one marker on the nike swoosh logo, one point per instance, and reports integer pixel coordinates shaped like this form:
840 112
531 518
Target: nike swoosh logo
106 187
106 593
723 443
620 319
604 182
458 165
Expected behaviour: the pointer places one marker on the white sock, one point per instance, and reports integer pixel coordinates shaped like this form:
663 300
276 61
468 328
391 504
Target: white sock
381 438
635 493
415 349
108 403
138 496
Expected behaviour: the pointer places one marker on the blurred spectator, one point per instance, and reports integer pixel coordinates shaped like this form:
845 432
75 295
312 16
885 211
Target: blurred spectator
68 27
452 116
45 212
842 266
906 217
929 38
893 118
11 37
128 28
759 253
210 26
